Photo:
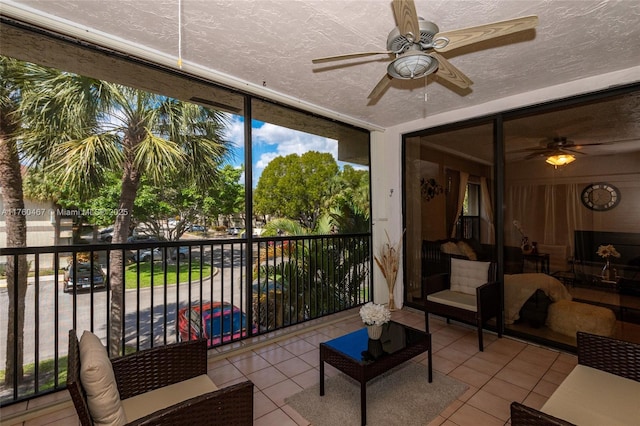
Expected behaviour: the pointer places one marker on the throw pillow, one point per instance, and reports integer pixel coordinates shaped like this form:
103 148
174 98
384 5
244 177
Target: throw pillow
450 248
99 382
467 275
467 251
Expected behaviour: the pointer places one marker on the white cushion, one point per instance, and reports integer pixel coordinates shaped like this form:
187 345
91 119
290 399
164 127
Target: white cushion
589 396
144 404
455 298
99 382
467 275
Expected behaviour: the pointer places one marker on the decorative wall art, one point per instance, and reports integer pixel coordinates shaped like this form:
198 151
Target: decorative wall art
429 188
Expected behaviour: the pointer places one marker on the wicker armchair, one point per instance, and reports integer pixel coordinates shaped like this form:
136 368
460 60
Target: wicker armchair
487 302
155 368
610 355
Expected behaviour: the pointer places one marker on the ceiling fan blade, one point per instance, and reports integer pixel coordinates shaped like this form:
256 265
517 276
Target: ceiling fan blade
407 18
466 36
537 154
536 150
348 56
568 150
380 87
448 72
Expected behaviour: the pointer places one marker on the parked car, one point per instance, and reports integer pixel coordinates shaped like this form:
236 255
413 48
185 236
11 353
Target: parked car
106 234
143 238
81 277
157 253
196 228
217 322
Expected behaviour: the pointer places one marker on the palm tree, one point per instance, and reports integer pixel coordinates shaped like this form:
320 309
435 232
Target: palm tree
13 205
82 128
314 276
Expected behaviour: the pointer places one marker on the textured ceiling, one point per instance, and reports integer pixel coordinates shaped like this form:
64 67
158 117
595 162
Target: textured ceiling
271 43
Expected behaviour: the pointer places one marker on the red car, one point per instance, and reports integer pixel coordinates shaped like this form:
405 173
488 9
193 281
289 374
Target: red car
217 322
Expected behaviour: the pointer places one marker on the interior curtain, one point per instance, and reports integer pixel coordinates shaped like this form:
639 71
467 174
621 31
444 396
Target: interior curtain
462 189
522 206
549 231
488 236
576 216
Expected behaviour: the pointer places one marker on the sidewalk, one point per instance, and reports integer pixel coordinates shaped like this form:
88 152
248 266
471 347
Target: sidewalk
44 279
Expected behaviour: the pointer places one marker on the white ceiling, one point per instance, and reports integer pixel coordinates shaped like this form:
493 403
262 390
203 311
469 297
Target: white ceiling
270 43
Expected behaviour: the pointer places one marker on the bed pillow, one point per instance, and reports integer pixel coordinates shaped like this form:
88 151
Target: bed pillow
467 275
99 382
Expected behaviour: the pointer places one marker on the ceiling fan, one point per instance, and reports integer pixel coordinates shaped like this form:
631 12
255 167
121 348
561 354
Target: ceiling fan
417 44
557 146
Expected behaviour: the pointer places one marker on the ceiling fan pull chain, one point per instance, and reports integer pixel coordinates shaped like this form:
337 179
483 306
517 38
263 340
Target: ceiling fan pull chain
180 34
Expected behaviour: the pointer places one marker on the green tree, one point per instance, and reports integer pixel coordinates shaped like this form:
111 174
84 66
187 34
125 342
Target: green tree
226 197
11 89
83 128
295 187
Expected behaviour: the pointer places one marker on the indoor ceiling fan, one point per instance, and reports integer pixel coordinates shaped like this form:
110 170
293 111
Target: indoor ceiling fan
557 146
416 45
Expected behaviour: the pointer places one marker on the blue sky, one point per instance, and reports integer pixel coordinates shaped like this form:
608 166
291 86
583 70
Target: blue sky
271 141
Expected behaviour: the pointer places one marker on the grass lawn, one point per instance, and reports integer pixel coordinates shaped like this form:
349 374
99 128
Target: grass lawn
131 274
46 372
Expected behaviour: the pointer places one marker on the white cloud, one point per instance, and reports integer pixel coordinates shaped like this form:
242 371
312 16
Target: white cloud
234 131
287 141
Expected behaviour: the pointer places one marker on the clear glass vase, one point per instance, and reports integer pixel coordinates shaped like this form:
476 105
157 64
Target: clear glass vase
608 271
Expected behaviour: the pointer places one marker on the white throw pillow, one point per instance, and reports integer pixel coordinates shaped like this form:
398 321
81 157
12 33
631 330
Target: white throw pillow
99 382
467 275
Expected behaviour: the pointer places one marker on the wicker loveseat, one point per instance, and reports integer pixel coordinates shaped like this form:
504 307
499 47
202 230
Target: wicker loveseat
152 376
603 389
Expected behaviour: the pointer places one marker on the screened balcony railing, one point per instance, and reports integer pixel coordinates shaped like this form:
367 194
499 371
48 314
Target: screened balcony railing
221 289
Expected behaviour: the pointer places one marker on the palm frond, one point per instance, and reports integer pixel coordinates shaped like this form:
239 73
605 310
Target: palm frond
156 156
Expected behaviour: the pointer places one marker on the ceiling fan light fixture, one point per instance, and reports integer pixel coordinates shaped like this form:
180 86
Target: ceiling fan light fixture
560 159
412 65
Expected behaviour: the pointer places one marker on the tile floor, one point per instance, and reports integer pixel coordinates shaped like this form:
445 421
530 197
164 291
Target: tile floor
507 370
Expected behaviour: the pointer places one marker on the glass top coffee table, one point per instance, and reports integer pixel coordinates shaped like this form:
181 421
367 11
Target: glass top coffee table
362 359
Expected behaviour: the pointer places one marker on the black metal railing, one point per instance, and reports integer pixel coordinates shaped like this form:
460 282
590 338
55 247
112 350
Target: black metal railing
223 289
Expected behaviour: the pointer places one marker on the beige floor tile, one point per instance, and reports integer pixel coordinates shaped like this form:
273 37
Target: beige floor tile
224 374
266 377
276 355
554 376
517 377
469 376
482 365
471 416
545 388
527 367
535 400
454 355
299 347
280 391
443 364
293 367
262 405
505 390
307 379
275 418
491 404
250 364
312 357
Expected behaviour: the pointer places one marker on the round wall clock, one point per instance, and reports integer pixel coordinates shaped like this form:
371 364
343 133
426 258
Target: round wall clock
600 196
